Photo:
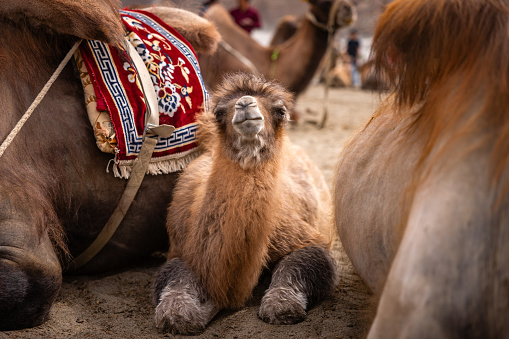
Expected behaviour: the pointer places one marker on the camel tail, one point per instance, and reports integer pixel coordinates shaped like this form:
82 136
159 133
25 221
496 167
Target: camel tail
420 43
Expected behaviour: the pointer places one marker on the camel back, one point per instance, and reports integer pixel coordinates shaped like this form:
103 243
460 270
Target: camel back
443 57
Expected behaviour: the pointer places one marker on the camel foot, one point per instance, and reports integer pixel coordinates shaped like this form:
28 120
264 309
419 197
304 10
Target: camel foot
181 313
183 306
283 306
299 280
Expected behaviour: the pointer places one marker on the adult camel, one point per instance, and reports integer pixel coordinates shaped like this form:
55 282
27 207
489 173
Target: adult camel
422 191
55 195
293 63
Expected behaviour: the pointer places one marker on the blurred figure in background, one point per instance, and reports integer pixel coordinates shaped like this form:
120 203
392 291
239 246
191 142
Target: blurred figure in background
353 51
246 16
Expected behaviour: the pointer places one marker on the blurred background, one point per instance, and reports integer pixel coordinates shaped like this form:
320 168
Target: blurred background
272 10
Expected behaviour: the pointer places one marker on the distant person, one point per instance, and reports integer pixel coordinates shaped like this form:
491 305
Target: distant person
246 16
353 52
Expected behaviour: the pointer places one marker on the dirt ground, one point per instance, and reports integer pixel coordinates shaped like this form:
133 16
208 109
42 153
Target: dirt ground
119 305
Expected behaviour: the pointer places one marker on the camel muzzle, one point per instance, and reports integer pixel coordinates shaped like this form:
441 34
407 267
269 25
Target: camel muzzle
248 121
346 14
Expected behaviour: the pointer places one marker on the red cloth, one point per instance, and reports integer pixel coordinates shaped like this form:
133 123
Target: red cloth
252 16
177 81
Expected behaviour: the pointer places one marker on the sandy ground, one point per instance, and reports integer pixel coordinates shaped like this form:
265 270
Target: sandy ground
119 305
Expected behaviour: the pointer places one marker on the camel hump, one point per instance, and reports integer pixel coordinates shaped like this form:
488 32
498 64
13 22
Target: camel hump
419 43
201 33
86 19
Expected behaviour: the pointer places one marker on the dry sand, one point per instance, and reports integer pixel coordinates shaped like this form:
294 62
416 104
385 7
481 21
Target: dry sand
119 305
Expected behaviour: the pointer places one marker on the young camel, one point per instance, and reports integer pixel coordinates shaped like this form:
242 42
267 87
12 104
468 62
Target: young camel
251 201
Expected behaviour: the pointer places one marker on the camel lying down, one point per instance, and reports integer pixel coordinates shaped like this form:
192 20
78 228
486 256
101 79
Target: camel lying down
252 200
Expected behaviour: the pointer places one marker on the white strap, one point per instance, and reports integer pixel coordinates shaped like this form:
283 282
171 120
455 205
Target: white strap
147 87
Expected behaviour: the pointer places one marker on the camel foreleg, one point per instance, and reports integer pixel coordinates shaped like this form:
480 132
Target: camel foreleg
30 273
300 280
183 305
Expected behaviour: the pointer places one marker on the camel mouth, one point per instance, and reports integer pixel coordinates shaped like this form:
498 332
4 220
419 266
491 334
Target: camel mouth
249 129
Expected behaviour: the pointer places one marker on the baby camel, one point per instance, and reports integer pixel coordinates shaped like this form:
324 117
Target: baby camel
251 201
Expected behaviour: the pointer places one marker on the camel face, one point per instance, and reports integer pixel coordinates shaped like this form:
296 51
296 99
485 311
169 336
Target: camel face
248 121
345 13
251 119
250 126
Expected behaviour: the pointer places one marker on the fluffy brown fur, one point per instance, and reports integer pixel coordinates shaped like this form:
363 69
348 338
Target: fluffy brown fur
86 19
235 213
421 192
44 30
471 55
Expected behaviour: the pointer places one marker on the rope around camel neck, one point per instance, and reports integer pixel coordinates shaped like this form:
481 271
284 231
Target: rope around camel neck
38 99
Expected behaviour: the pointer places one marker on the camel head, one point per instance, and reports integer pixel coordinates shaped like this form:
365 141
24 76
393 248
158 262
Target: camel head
250 114
338 13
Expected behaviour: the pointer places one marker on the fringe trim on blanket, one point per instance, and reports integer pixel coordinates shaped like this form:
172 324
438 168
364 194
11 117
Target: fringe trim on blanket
163 165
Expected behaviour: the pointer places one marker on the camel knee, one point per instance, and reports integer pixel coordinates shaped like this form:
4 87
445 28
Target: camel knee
183 305
300 280
27 291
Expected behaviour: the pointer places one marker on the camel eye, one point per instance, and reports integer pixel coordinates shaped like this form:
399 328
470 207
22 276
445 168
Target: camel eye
219 112
280 109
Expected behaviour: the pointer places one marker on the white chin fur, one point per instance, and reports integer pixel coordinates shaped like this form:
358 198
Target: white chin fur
248 151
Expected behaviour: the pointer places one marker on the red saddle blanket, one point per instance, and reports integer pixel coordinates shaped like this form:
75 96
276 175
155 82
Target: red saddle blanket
175 74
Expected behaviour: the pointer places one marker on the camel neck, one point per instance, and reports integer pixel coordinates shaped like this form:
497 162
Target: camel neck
300 57
242 206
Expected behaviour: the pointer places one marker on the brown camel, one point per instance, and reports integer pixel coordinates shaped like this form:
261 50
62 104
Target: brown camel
422 191
252 201
296 60
55 195
286 27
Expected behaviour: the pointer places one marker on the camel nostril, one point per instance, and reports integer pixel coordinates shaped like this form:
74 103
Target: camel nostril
246 101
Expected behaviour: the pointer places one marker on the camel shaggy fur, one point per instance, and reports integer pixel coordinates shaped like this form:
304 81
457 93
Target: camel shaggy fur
422 191
251 201
55 195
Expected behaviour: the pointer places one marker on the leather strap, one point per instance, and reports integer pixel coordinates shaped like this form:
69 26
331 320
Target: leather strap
133 184
152 131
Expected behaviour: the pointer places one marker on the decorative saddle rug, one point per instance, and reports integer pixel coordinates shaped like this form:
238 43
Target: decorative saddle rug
115 100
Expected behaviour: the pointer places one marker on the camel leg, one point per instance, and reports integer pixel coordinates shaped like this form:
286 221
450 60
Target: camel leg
30 273
183 305
300 280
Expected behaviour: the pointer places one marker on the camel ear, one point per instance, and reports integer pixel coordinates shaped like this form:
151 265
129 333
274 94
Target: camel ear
200 33
86 19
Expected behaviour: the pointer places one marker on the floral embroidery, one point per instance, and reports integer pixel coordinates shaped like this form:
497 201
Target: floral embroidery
170 95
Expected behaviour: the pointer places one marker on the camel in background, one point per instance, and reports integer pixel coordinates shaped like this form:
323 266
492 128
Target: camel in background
293 62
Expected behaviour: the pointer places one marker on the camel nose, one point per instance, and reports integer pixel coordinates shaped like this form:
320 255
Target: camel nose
347 14
247 120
